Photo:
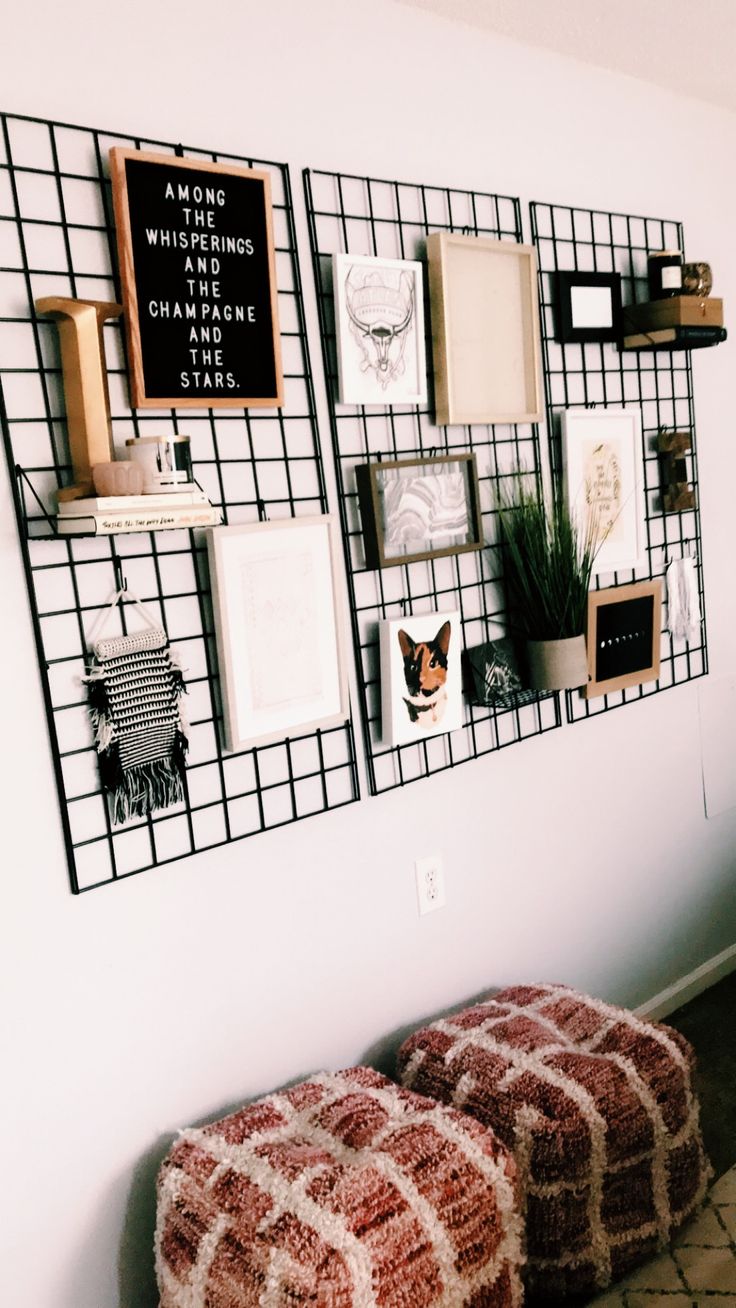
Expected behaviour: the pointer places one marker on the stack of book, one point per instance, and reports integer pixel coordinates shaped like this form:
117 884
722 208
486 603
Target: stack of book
682 322
111 514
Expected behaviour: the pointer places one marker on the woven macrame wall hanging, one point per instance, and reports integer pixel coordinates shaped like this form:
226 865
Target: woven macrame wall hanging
136 690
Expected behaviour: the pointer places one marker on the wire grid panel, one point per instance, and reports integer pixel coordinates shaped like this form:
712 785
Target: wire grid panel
364 216
659 383
57 238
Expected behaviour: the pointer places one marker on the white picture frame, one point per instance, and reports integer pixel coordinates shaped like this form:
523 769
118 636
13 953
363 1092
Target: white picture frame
413 651
603 473
485 330
379 330
279 628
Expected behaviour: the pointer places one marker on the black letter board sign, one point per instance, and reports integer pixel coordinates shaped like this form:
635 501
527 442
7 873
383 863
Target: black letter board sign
623 636
198 273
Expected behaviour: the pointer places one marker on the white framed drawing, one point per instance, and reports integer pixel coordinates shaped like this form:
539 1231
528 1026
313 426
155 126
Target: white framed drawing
379 328
604 471
279 627
421 679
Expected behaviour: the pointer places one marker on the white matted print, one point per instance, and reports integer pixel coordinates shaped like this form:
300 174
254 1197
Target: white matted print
279 629
421 680
602 451
379 326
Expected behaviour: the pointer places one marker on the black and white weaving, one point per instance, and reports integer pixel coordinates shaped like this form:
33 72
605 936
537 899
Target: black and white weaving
135 702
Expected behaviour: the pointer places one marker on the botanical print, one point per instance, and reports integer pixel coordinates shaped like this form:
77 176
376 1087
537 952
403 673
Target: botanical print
602 449
603 488
420 676
280 605
423 512
380 330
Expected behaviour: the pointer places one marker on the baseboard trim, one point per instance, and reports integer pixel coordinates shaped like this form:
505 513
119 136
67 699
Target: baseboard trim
674 996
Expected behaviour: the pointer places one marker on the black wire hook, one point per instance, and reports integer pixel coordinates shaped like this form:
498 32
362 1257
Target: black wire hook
121 583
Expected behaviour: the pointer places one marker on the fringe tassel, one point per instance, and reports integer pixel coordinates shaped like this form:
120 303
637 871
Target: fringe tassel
180 690
147 788
683 601
104 731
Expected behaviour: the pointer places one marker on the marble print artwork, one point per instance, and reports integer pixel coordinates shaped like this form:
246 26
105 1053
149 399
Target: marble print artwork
425 512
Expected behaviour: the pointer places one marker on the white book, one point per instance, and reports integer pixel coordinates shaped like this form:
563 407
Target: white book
124 503
167 519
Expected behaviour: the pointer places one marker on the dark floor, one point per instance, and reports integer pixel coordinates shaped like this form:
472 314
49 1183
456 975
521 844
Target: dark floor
709 1023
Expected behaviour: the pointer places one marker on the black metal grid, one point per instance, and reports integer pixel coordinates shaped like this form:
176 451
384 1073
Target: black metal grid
57 238
657 382
366 216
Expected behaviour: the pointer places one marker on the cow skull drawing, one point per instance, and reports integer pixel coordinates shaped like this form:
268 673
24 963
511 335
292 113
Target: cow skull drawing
380 305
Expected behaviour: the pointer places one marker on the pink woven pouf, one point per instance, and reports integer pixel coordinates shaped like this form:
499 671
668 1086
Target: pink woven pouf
343 1192
599 1110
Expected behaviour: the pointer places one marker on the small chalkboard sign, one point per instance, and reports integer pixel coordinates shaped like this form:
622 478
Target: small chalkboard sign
623 636
198 272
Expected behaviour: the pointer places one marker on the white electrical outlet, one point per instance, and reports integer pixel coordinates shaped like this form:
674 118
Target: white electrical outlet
430 883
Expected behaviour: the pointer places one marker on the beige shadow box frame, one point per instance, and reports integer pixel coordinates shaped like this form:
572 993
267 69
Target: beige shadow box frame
485 330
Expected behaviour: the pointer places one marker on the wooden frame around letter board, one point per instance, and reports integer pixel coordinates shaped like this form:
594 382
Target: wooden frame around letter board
140 400
512 351
599 599
371 509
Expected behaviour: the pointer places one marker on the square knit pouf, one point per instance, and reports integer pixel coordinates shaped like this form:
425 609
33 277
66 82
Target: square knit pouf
343 1192
599 1111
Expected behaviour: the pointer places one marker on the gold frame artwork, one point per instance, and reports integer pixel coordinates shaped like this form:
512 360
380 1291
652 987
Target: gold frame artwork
485 330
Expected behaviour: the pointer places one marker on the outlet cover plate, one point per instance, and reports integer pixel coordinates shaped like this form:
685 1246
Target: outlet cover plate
430 883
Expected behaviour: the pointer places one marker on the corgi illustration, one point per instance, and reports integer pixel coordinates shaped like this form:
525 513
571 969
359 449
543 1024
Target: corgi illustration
425 673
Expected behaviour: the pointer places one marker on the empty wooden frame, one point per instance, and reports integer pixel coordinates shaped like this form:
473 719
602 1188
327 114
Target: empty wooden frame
623 637
485 330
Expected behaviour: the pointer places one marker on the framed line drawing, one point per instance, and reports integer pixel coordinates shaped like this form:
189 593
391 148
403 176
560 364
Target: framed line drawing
421 677
485 330
379 328
279 627
198 273
588 307
623 637
603 478
417 509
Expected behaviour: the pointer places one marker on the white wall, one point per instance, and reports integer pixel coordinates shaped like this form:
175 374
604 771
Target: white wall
583 855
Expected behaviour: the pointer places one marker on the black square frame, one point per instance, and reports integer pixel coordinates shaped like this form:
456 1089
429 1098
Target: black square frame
566 331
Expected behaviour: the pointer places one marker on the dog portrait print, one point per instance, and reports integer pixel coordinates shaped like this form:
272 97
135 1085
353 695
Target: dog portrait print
421 690
425 673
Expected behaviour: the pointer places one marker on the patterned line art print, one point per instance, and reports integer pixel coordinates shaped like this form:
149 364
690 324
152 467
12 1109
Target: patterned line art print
424 512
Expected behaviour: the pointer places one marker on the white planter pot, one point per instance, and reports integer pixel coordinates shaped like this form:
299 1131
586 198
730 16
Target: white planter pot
557 664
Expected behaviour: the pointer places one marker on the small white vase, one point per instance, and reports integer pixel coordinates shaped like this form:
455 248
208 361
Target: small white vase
557 664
